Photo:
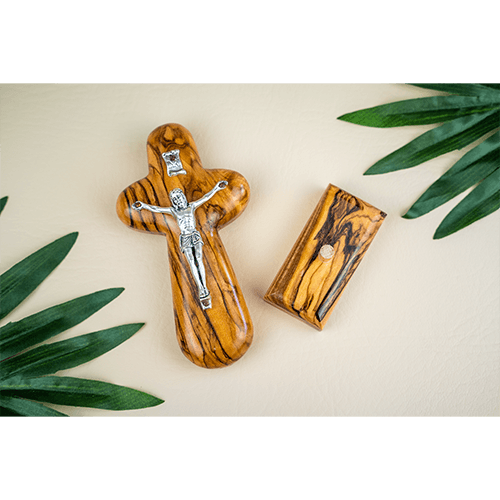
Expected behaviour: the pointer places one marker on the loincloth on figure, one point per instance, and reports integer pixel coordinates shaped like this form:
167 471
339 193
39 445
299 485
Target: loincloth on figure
190 240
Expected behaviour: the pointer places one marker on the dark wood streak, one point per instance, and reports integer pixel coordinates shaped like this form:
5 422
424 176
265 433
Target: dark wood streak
178 271
218 336
307 286
140 216
352 258
129 208
213 332
154 202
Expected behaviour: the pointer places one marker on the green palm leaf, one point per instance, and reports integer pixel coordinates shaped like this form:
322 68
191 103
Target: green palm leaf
469 115
4 412
70 391
25 408
48 359
424 110
472 168
20 280
440 140
482 201
18 389
495 86
18 336
3 201
472 89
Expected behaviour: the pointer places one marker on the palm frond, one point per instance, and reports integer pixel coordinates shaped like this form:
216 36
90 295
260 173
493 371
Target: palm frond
72 391
440 140
26 408
22 279
30 331
51 358
3 202
26 371
471 113
479 203
472 168
424 110
495 86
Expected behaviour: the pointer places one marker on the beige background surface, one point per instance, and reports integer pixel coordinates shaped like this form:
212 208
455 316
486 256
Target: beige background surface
416 331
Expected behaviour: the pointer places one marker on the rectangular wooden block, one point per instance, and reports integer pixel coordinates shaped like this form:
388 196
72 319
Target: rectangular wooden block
323 259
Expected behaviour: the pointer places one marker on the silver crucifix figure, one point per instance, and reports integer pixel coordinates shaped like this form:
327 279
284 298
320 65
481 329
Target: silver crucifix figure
190 239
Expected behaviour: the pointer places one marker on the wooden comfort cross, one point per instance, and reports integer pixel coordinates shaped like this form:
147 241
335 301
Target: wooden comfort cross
188 204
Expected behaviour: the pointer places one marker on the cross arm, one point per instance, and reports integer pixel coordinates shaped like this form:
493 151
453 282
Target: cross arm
218 187
139 205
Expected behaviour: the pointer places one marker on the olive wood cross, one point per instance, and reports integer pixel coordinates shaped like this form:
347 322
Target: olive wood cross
189 204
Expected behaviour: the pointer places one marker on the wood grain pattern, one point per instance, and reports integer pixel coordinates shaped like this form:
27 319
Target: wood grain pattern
308 285
210 338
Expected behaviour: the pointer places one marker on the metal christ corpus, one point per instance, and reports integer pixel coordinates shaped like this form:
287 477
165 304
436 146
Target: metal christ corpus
190 239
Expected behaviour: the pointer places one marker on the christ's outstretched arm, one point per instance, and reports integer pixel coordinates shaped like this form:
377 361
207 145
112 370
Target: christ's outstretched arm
218 187
139 205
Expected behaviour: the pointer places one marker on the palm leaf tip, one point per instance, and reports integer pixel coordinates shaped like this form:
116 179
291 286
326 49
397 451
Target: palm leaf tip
3 202
369 117
471 169
70 391
410 215
483 200
65 354
468 114
450 136
349 117
20 335
24 277
424 110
